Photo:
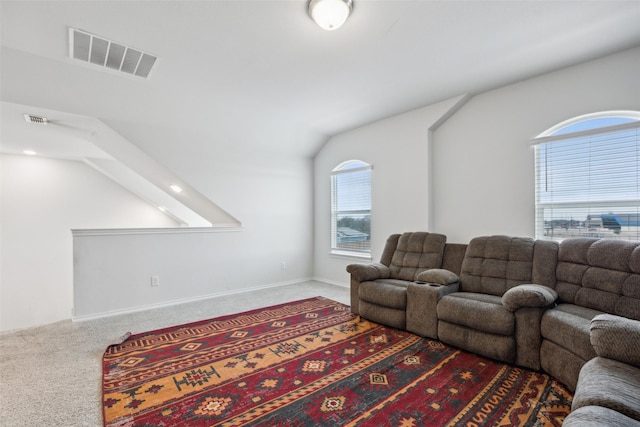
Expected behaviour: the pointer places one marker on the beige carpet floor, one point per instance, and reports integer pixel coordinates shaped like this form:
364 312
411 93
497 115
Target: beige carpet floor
51 375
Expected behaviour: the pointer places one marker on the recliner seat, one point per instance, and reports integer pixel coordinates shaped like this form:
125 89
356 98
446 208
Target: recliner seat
492 314
593 277
379 290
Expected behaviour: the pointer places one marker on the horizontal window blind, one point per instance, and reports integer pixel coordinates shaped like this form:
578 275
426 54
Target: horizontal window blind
351 208
588 183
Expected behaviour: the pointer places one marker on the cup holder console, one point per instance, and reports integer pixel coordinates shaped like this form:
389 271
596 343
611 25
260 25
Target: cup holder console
433 285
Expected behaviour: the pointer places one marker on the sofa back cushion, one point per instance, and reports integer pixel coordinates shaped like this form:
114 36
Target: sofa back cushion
389 248
416 252
545 262
602 274
494 264
453 257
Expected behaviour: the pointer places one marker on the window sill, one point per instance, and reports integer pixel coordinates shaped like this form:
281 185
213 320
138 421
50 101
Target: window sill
351 255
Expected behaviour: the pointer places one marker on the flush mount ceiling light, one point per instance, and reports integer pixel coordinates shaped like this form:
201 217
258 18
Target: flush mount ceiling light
330 14
175 188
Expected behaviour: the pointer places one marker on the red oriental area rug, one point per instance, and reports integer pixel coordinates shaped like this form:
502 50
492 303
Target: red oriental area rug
313 363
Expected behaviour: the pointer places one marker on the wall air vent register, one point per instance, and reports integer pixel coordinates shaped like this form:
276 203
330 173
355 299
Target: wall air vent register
38 120
97 50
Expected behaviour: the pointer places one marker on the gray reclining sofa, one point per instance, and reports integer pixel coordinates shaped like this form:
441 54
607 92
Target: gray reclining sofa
529 302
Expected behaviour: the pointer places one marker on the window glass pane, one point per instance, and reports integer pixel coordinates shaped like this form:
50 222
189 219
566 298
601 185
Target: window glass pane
353 232
351 207
353 165
353 190
589 185
593 124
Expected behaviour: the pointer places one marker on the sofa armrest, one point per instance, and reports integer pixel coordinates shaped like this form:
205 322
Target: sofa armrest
438 275
616 337
533 296
366 272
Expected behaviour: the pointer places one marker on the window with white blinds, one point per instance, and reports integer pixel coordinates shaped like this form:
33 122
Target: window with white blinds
588 180
351 208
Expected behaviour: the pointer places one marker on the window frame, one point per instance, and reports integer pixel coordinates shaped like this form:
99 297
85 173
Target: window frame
342 169
556 135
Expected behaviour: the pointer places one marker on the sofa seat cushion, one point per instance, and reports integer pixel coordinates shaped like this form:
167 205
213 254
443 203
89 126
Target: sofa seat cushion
609 383
385 292
598 416
478 311
567 325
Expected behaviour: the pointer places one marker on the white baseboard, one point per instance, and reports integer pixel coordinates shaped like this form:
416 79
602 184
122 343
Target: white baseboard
331 282
146 307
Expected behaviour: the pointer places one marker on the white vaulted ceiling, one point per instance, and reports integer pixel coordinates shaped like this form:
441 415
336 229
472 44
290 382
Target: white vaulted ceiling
260 75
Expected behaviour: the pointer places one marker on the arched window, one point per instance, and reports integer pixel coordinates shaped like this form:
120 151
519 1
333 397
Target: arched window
351 208
588 177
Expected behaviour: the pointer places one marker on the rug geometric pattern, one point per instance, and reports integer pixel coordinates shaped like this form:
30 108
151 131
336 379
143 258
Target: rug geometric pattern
313 363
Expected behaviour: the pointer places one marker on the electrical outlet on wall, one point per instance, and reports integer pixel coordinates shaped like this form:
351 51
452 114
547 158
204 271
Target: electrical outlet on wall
155 280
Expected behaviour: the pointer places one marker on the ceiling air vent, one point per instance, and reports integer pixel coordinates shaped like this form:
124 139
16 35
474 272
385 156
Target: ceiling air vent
90 48
39 120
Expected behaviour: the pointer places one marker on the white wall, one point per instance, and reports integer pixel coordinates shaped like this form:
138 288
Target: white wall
398 148
483 161
41 201
482 176
480 162
270 195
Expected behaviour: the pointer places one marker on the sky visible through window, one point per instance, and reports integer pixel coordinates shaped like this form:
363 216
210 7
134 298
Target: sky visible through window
593 124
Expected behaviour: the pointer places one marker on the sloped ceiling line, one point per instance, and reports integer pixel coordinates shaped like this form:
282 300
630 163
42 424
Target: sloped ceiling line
135 159
81 138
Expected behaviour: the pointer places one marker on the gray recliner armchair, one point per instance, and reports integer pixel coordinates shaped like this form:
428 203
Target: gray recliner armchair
379 290
501 298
